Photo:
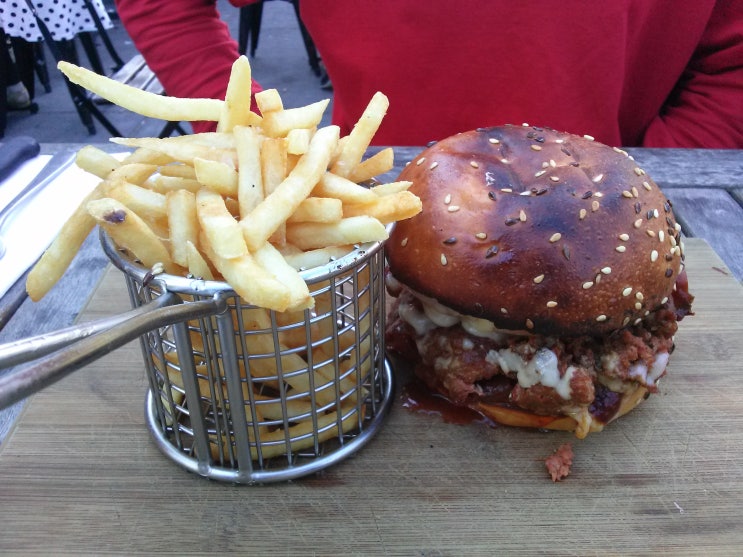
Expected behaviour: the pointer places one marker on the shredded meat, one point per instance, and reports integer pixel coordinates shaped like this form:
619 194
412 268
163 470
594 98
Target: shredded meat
456 364
558 464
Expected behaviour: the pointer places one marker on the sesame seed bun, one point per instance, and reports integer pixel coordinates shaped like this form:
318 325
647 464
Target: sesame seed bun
537 231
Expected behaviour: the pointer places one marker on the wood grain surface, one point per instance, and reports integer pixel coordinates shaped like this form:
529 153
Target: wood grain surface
80 474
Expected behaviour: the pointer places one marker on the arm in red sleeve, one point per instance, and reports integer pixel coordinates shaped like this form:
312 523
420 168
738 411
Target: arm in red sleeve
186 44
706 108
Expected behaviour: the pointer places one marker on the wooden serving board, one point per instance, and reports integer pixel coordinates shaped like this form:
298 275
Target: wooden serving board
80 474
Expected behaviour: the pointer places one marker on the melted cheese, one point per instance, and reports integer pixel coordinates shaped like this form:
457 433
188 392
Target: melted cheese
542 368
650 376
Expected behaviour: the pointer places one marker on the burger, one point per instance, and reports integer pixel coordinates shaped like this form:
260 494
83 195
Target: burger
542 283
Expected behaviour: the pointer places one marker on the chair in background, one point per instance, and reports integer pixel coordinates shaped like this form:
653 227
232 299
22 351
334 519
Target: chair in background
24 58
250 26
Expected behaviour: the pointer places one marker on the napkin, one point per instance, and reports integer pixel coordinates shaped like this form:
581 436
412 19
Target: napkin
32 227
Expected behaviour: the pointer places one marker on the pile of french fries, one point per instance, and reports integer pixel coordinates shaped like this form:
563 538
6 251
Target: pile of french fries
253 203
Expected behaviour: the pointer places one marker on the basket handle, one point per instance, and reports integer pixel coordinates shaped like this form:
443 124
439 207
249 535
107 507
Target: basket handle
60 353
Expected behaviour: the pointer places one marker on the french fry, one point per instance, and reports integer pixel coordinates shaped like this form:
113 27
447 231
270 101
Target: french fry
221 229
332 185
280 122
184 228
391 187
268 100
96 161
177 170
266 218
146 203
180 150
217 176
318 209
310 259
249 178
134 173
388 208
164 184
377 164
196 264
352 230
274 171
173 109
361 135
271 259
236 107
130 232
298 140
60 253
147 156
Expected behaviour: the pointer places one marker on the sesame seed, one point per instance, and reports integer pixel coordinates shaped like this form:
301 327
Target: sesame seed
540 173
624 237
635 193
494 141
453 208
650 233
594 206
566 252
511 221
606 270
656 214
598 194
551 304
538 279
627 291
553 164
444 261
596 179
545 164
505 161
621 249
506 190
673 240
627 194
450 241
555 237
559 140
638 223
447 199
639 296
404 242
554 178
601 318
492 250
639 171
664 300
525 193
541 191
474 164
677 227
491 195
638 321
669 272
661 235
597 279
653 256
582 214
588 137
433 165
481 235
587 285
420 161
646 185
536 147
529 324
638 306
503 310
625 321
522 216
586 195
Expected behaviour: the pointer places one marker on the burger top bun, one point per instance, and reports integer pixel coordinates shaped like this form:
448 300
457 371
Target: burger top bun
537 231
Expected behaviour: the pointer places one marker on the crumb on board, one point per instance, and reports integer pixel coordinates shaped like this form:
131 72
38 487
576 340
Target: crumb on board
558 463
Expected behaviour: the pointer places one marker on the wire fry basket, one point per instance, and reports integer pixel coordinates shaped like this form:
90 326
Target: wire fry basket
250 395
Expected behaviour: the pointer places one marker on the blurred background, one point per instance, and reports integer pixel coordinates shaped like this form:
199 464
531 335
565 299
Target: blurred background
280 61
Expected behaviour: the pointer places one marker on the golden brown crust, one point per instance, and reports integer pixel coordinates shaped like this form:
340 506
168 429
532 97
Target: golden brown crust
537 230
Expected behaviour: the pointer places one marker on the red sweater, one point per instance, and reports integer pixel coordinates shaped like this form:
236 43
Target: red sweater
629 72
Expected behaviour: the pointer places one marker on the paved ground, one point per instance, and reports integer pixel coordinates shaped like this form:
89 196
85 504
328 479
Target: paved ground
280 61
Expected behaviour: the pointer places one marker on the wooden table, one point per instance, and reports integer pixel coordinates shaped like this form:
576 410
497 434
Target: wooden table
80 473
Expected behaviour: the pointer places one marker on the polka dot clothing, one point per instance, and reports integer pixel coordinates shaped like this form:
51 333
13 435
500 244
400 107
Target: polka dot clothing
63 18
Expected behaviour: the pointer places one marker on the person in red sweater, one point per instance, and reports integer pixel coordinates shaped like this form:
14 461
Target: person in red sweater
654 73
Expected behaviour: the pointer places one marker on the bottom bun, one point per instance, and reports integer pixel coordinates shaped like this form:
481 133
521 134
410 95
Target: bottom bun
582 424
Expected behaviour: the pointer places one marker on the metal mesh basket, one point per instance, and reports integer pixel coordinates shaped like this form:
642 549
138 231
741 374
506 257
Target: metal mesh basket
249 395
